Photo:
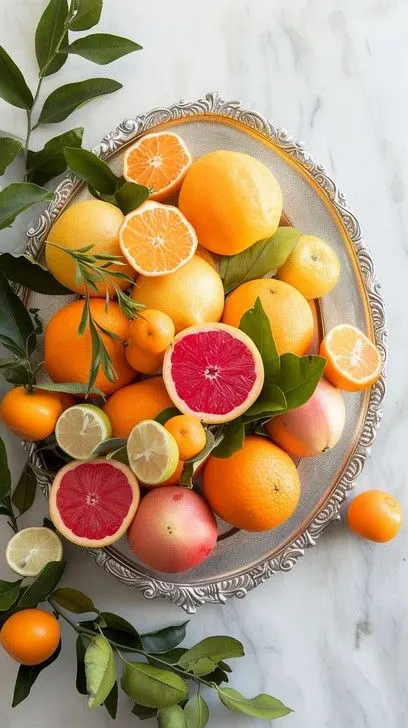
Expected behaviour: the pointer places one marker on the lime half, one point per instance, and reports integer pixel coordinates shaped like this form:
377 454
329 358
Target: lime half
153 452
80 429
31 549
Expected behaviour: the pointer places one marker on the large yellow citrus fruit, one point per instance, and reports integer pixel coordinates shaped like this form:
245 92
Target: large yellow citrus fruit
30 636
67 354
312 267
232 200
88 222
191 295
135 403
289 313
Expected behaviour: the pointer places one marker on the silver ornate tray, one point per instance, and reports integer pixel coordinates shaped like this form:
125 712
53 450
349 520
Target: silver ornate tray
313 203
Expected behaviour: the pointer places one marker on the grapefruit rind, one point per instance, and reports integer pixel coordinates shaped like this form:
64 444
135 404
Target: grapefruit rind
66 531
205 416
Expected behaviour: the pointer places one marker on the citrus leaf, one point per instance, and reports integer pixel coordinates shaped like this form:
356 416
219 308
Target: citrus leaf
69 388
81 646
111 702
9 148
171 657
120 455
17 374
5 476
16 324
13 87
171 717
152 686
27 676
265 256
203 666
87 14
196 712
64 100
270 401
44 584
17 197
262 706
164 640
108 446
48 35
144 713
299 377
119 631
91 169
233 439
215 648
100 670
255 324
102 48
24 492
73 600
49 162
130 196
22 268
9 593
166 415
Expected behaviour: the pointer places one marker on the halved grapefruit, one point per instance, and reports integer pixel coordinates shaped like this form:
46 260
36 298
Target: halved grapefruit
93 503
213 371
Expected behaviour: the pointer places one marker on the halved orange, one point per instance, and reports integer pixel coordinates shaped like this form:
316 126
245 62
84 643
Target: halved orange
353 362
159 161
157 239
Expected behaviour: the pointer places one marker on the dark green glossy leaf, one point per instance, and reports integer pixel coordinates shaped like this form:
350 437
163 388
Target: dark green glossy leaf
91 169
265 256
5 476
81 646
108 446
215 648
102 48
100 670
27 676
130 196
218 677
17 197
119 631
196 712
299 377
255 324
171 717
270 401
24 492
50 30
69 388
119 455
22 268
9 593
262 706
73 600
87 14
64 100
165 639
111 702
50 161
15 321
233 439
152 686
9 148
16 374
13 87
166 415
144 713
43 585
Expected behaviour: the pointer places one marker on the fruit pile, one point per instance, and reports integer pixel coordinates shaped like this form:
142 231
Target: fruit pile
207 365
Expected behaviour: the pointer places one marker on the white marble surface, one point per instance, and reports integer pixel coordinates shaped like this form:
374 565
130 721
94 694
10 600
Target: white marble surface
330 638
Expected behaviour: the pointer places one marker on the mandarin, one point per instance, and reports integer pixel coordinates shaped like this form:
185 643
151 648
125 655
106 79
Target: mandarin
31 636
33 415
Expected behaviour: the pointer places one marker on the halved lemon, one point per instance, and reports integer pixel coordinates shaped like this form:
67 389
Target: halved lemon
31 549
353 362
80 429
153 452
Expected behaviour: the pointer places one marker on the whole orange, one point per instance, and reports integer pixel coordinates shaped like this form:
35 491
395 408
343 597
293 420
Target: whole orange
189 434
288 312
256 489
375 515
142 362
191 295
135 403
232 200
30 636
88 222
67 354
152 332
33 415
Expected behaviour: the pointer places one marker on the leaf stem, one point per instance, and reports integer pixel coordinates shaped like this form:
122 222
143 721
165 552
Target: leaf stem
75 626
13 520
167 666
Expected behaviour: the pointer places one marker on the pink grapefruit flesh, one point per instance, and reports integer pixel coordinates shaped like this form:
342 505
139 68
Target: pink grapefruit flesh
213 371
92 503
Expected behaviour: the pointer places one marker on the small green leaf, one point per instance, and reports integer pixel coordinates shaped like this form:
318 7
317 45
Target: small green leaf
17 374
216 648
262 706
299 377
82 643
118 630
16 324
108 446
5 476
27 676
24 492
13 87
203 666
9 593
265 256
255 324
87 14
233 439
130 196
17 197
144 713
50 161
22 268
111 702
165 639
102 48
196 712
171 717
100 670
171 657
73 600
152 686
91 169
44 584
119 455
166 415
48 35
9 148
69 388
64 100
270 402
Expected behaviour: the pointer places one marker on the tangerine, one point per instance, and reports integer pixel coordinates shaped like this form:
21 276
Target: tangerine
33 415
189 434
375 515
152 332
31 636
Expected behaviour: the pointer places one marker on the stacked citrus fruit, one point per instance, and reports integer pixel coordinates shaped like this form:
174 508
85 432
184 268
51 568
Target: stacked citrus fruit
188 362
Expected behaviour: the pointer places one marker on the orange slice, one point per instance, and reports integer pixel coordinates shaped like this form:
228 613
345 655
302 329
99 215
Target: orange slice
353 362
157 239
159 161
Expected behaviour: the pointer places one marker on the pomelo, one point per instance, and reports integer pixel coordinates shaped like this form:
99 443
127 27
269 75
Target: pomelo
213 371
92 503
